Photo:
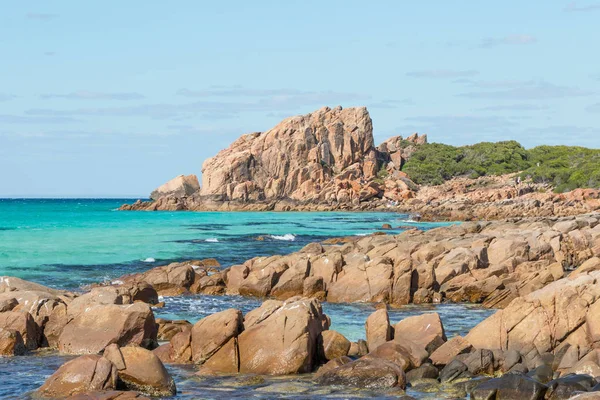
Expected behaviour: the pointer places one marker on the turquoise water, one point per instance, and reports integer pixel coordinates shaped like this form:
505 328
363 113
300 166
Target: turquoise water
70 243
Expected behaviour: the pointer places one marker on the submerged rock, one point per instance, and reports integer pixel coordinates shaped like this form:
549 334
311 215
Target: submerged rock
369 373
509 387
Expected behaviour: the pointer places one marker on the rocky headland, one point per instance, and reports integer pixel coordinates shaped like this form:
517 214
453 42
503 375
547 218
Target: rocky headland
328 160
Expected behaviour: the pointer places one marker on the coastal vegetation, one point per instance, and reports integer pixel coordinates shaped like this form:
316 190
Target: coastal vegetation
563 167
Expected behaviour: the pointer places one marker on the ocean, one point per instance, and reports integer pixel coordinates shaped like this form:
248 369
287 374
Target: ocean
70 243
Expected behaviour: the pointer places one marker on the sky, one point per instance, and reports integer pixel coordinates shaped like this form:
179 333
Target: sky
113 98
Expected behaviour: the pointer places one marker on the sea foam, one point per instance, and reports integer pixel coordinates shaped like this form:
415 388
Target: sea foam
287 237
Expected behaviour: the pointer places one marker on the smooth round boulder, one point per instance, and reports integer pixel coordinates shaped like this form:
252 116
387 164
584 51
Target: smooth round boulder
392 352
332 345
83 374
98 326
141 370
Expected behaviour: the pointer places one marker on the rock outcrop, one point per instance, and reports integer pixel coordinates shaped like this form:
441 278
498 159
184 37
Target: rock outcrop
180 186
325 158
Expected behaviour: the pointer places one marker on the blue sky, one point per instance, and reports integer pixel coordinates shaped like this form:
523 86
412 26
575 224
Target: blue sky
113 98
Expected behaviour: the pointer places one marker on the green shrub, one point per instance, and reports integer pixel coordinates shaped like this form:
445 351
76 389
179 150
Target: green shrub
563 167
434 163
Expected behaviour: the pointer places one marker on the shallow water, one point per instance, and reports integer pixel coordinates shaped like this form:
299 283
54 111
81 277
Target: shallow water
70 243
67 243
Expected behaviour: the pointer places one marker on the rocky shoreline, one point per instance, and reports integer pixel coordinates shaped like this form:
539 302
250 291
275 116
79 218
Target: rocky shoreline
542 272
460 199
477 262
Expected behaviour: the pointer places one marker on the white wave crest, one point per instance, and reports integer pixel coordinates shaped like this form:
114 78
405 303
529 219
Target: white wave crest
212 240
287 237
149 260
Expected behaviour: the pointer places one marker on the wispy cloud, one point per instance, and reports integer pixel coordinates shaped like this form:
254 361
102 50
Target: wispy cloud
40 16
526 90
283 97
442 74
507 40
514 107
595 108
240 91
391 104
29 119
49 53
218 103
89 95
6 97
574 7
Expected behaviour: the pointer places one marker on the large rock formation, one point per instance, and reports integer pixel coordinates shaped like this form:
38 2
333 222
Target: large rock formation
326 157
296 159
